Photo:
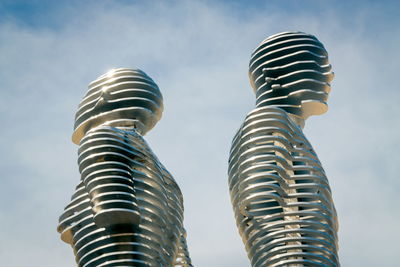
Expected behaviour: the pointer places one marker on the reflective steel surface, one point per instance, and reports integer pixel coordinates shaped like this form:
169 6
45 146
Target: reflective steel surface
290 70
127 209
279 191
120 97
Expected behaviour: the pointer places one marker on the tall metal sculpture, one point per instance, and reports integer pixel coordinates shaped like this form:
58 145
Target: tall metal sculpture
127 209
279 191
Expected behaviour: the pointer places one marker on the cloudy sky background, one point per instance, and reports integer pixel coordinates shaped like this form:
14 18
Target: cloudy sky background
198 53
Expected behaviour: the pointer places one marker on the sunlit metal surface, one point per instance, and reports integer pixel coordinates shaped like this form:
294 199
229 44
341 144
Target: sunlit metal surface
127 210
279 191
183 258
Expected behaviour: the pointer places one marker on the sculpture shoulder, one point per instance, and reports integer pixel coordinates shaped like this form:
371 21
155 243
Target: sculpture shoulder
105 131
263 129
107 138
269 119
266 121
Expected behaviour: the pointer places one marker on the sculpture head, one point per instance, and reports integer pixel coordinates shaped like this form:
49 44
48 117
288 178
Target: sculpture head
119 98
290 70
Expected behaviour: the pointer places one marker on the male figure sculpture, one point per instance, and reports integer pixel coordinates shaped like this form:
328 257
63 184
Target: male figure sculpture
127 209
280 194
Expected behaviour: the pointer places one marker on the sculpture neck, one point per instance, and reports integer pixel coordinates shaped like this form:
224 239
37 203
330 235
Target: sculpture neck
129 125
300 122
290 110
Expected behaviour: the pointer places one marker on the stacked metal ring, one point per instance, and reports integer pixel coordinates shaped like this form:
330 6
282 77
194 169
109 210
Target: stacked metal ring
289 67
280 194
121 97
279 191
127 210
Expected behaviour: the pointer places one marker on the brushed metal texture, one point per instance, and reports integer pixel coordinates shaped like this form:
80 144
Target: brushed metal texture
279 190
127 209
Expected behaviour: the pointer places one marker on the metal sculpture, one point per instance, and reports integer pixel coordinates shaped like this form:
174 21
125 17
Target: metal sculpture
279 191
127 209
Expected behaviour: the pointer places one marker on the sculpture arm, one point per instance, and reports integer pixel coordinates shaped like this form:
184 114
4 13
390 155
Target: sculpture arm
177 231
183 258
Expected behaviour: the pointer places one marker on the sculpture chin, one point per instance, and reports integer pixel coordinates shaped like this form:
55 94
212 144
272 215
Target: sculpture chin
313 107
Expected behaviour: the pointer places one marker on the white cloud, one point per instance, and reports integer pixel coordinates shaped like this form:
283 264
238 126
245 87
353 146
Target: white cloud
198 54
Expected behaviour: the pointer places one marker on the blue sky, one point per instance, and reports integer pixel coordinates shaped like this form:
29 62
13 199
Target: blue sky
198 53
56 14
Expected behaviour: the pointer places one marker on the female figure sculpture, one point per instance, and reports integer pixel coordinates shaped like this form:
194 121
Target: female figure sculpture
127 209
279 191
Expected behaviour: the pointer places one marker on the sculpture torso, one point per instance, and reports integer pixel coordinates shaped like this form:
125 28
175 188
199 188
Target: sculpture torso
127 210
114 163
280 194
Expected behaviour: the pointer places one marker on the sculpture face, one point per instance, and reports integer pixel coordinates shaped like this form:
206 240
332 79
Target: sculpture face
290 70
119 98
